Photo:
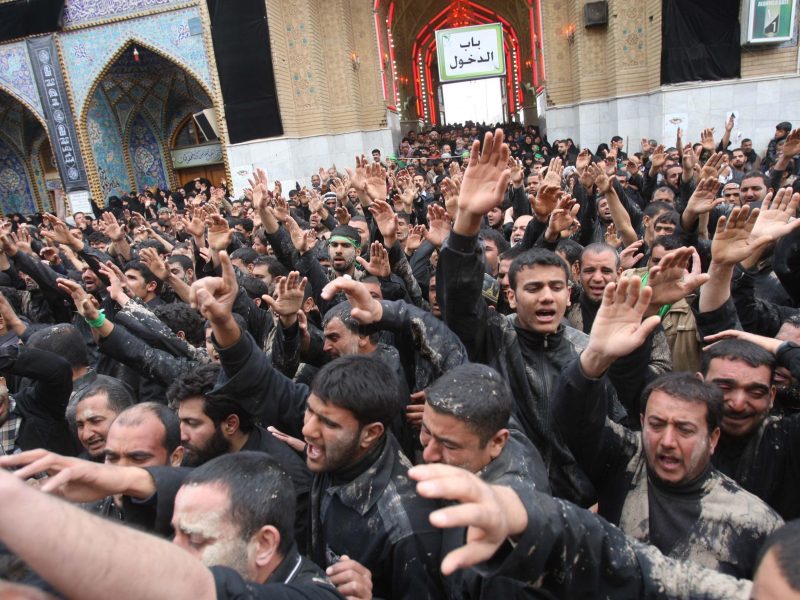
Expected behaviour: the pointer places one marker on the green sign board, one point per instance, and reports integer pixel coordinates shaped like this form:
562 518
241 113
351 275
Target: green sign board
470 52
768 21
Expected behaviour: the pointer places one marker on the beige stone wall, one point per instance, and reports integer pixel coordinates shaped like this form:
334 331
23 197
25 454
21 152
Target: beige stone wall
319 90
624 57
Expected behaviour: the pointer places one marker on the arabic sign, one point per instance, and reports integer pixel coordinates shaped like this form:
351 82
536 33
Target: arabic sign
197 156
768 21
60 123
470 52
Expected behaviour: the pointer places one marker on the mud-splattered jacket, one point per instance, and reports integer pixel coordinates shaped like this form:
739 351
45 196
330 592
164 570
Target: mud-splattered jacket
378 519
711 521
568 552
530 362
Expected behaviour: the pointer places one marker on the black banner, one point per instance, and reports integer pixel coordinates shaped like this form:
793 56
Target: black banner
700 40
60 122
21 18
240 34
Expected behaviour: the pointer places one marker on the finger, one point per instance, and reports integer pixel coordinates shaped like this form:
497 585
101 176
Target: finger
467 556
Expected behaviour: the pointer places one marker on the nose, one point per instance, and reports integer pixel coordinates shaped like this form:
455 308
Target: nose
668 439
736 400
184 434
327 346
546 295
432 453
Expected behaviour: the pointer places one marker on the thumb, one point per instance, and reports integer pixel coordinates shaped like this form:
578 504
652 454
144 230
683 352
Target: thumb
362 261
273 304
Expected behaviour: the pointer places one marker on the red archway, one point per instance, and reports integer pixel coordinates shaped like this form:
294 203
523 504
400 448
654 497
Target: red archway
461 13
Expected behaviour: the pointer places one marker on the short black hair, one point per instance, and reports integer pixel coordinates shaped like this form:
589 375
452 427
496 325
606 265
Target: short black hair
342 311
63 339
671 216
199 383
747 352
145 272
98 237
253 286
184 261
179 316
512 252
753 174
275 267
118 394
246 254
154 244
784 543
533 258
498 238
475 394
364 385
571 249
656 207
664 186
689 388
261 493
668 242
166 416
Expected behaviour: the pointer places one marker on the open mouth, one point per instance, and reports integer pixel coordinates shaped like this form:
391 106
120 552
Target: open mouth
669 463
313 452
545 315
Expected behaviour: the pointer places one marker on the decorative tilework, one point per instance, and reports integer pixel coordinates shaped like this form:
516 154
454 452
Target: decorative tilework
85 11
15 186
87 51
38 175
16 75
146 155
106 143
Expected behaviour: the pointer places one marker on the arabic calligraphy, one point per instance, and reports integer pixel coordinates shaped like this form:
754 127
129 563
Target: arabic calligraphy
460 62
475 51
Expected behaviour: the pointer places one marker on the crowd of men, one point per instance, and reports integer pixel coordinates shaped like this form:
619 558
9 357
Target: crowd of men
480 366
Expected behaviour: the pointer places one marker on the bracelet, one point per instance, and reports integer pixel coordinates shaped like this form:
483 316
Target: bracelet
98 322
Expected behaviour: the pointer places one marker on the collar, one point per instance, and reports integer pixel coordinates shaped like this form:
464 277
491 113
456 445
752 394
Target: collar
690 488
288 568
538 341
363 491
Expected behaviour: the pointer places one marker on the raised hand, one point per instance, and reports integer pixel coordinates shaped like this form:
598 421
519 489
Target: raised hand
791 145
439 225
386 219
704 198
618 328
491 514
358 175
288 300
516 172
299 237
113 229
415 236
342 215
484 182
219 232
713 165
154 262
671 280
562 218
631 256
59 233
767 343
214 296
601 180
117 286
194 226
450 192
366 310
611 238
657 159
376 181
707 139
378 264
546 198
777 216
583 160
85 303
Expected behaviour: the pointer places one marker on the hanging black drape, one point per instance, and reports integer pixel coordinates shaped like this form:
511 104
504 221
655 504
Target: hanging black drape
244 63
29 17
700 40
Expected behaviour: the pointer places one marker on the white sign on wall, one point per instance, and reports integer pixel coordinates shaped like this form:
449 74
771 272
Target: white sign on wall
470 52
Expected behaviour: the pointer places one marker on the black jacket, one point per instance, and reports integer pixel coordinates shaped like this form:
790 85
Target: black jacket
42 401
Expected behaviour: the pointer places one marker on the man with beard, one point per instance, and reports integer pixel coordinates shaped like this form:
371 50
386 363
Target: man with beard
212 425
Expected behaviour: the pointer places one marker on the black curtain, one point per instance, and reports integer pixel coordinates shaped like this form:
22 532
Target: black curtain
29 17
244 62
700 40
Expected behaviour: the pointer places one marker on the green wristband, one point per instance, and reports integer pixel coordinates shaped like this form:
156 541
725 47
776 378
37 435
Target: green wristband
98 322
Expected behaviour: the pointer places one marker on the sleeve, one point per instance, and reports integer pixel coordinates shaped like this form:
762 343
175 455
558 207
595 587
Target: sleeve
788 356
155 513
230 585
756 314
580 406
49 393
283 248
459 282
720 319
140 321
145 360
402 269
248 376
519 200
573 553
45 278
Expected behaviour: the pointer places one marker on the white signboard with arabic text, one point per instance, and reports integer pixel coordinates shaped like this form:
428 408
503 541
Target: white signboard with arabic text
470 52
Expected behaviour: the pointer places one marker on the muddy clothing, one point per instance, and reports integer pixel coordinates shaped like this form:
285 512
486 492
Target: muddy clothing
711 520
757 314
373 514
566 552
520 467
296 578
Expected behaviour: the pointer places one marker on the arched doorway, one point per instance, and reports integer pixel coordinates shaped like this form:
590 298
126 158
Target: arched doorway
194 156
25 160
132 116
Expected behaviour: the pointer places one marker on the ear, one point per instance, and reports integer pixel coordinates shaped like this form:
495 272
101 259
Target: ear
712 441
189 274
176 458
230 425
250 268
576 270
151 287
497 443
267 541
370 434
699 376
257 302
308 304
512 299
181 334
